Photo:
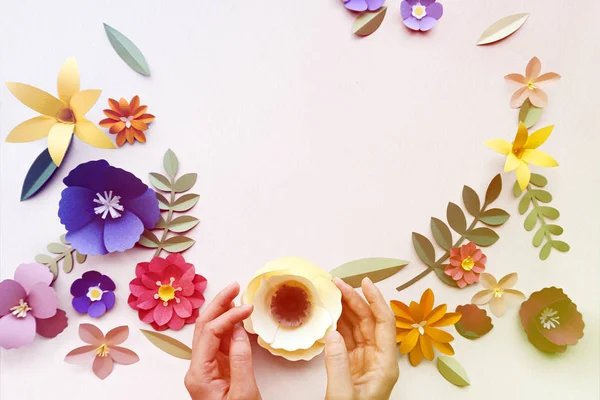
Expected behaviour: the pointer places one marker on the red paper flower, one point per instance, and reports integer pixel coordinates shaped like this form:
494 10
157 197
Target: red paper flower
466 263
167 293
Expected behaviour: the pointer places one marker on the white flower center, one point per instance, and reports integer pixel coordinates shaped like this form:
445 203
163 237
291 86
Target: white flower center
127 121
108 204
420 327
419 11
94 293
549 318
20 311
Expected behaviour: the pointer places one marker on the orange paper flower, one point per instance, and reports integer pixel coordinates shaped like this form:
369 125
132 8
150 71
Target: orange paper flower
127 120
530 89
417 328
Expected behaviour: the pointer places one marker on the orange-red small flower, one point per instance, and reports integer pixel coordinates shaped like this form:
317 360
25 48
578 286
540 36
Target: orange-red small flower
127 120
466 263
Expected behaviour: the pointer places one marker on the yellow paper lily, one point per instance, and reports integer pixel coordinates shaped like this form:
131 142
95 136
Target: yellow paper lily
60 118
524 150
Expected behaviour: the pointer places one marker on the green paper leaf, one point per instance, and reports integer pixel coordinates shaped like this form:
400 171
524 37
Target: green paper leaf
452 371
531 220
163 203
545 252
537 180
554 229
549 212
561 246
464 333
471 200
127 50
170 163
57 248
493 190
541 195
149 240
168 344
456 218
80 258
524 204
160 182
517 189
529 114
161 224
63 239
494 217
44 259
40 172
424 249
376 269
483 237
502 28
368 22
185 183
183 223
538 238
68 263
178 244
441 233
443 277
185 202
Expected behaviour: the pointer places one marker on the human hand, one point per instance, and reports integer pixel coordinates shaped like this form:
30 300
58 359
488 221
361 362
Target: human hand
221 366
361 357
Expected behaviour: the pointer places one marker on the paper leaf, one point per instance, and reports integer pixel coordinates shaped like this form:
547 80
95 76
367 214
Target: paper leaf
57 248
471 200
545 252
494 217
541 195
424 249
549 212
368 22
536 180
452 371
170 163
68 262
529 114
524 204
63 239
441 233
502 28
561 246
493 190
483 237
80 258
160 182
377 269
443 277
531 220
161 224
474 322
168 344
185 183
185 202
149 240
456 218
183 224
38 175
163 203
178 244
554 229
44 259
517 189
127 50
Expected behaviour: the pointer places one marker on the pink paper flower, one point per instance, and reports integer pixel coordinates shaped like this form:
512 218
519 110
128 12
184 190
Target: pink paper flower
167 293
530 85
103 350
28 304
466 263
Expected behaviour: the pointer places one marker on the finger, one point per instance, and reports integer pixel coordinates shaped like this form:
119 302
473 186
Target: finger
345 329
360 307
217 306
385 324
243 382
353 323
226 340
337 363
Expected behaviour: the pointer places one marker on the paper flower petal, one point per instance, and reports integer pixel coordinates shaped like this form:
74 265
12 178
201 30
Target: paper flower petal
108 298
88 240
33 129
508 281
306 335
297 355
538 98
145 207
547 77
83 101
59 139
43 300
117 335
36 99
122 233
81 304
30 274
89 175
68 80
75 208
497 306
533 69
499 145
91 334
97 309
523 175
16 332
123 356
539 137
102 366
81 355
539 158
483 297
512 163
10 294
51 327
92 135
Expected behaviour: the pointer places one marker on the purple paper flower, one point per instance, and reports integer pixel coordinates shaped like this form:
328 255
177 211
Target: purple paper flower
421 15
363 5
93 294
105 209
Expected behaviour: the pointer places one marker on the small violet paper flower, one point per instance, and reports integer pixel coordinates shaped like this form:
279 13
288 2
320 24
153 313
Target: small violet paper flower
363 5
421 15
105 209
93 294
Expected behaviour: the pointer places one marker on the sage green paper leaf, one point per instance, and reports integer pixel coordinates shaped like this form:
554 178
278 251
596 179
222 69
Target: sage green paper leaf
163 203
502 28
185 202
483 237
68 263
424 249
441 233
127 50
452 371
80 257
545 252
443 277
149 240
541 195
368 22
538 238
531 220
529 114
493 190
561 246
161 224
376 269
494 217
537 180
471 200
185 183
63 239
178 244
38 175
44 259
170 163
549 212
160 182
183 223
456 218
555 229
524 204
57 248
517 189
168 344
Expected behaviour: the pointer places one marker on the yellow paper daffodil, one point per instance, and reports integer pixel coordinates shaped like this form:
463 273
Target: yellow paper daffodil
60 118
524 150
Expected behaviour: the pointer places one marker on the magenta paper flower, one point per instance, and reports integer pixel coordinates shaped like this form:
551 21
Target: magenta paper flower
28 304
421 15
363 5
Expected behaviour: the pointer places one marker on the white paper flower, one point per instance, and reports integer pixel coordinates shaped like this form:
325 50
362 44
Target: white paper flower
295 305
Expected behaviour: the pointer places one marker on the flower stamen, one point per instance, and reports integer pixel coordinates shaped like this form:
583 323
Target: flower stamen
290 304
549 318
167 292
420 327
102 351
108 204
21 310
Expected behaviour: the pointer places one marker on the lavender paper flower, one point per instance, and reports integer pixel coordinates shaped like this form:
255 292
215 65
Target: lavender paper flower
93 294
421 15
105 209
363 5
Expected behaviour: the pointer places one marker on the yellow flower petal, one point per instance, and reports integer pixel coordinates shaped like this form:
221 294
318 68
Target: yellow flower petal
508 281
523 175
537 138
426 301
401 310
35 98
482 297
416 356
497 306
401 334
305 355
438 334
416 311
409 342
68 80
520 137
436 314
59 138
426 347
444 348
32 129
499 145
81 102
512 162
403 323
539 158
92 135
448 319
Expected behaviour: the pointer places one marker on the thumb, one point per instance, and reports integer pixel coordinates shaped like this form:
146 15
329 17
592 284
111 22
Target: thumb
337 362
243 384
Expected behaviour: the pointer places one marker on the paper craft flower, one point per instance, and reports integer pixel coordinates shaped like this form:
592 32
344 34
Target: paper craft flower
60 118
28 304
530 90
421 15
103 350
495 292
474 322
105 209
295 305
93 294
167 293
127 120
417 328
523 150
466 263
551 320
363 5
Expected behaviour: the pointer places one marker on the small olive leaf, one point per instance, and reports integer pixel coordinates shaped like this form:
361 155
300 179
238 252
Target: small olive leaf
443 277
502 28
57 248
44 259
456 218
541 195
160 182
185 202
452 371
516 190
531 220
561 246
483 237
424 249
68 263
471 200
53 267
185 183
538 238
464 333
524 204
149 240
376 269
545 252
494 217
63 239
80 257
555 229
537 180
178 244
441 233
529 114
368 22
170 163
161 224
549 212
163 203
493 190
168 344
183 224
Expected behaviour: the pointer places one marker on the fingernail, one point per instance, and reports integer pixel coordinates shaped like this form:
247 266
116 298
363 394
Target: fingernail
333 336
247 307
239 333
232 284
368 280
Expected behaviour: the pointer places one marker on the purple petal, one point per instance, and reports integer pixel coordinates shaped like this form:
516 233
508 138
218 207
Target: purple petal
29 275
405 10
51 327
16 332
76 207
427 23
426 3
356 5
97 309
10 294
108 299
89 239
436 10
106 283
43 301
123 183
81 304
122 233
89 175
374 5
145 207
412 2
412 23
80 287
93 277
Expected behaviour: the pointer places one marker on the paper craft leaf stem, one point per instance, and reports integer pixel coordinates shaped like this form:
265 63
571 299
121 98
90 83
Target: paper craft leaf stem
168 344
368 22
529 114
452 371
376 269
127 50
65 253
533 197
502 28
40 172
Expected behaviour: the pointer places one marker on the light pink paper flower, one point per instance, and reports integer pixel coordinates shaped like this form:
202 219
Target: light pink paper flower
103 350
530 85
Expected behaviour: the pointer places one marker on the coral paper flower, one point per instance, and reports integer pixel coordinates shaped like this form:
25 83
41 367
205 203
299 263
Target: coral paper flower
167 293
28 304
495 292
524 150
474 322
295 305
105 209
60 118
466 263
363 5
103 350
93 294
417 328
551 320
530 81
127 120
421 15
